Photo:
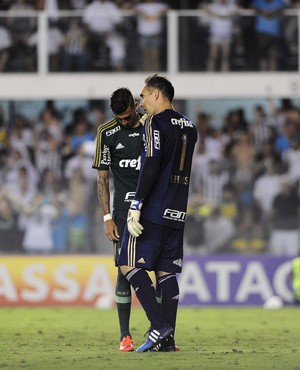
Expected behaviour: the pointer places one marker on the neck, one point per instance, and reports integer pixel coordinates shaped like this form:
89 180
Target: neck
163 107
136 121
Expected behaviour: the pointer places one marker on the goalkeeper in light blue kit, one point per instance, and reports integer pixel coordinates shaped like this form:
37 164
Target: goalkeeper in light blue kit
153 238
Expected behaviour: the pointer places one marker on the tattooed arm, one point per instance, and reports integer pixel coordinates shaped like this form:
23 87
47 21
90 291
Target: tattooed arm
111 230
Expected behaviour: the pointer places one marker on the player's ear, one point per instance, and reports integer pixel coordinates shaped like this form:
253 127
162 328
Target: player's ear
136 105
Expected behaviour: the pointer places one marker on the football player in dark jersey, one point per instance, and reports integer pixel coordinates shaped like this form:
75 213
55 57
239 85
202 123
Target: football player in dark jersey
118 148
153 238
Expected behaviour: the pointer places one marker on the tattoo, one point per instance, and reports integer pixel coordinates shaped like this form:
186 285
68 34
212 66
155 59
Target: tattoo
103 191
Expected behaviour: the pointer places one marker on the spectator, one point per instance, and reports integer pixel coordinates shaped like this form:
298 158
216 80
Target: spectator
262 127
282 142
249 237
74 52
77 206
268 32
218 232
60 224
150 30
47 154
10 234
55 43
116 45
81 182
78 4
5 45
263 157
101 18
4 139
37 226
50 122
243 154
14 163
292 158
22 57
200 164
265 188
284 240
21 137
23 190
235 122
81 130
221 14
212 184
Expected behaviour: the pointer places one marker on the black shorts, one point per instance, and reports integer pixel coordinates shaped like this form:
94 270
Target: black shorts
158 248
120 219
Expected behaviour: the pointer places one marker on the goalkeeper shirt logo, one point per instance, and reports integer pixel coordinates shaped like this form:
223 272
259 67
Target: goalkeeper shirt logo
182 122
156 139
174 215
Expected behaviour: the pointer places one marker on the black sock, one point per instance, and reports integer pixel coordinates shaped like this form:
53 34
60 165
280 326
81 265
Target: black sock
169 298
157 291
123 302
145 292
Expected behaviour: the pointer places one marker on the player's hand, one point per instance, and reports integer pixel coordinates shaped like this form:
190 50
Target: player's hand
133 218
111 230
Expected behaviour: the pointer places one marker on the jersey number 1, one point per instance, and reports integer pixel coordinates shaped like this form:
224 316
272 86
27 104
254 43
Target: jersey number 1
183 152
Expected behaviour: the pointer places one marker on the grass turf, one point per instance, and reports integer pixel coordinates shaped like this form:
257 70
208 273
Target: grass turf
209 338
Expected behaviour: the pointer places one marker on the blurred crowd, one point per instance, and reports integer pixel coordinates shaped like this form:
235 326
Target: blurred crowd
48 198
98 35
244 195
245 185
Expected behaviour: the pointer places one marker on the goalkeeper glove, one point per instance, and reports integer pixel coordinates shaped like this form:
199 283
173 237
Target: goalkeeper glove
133 218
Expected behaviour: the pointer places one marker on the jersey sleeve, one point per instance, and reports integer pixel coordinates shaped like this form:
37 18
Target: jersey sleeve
102 156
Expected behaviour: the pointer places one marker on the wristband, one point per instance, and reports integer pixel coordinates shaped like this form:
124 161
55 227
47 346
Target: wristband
107 217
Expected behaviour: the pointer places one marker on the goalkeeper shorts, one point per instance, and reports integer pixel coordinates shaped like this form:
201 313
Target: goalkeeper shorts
158 248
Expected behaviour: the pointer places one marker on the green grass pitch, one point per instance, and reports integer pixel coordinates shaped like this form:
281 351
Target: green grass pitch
209 338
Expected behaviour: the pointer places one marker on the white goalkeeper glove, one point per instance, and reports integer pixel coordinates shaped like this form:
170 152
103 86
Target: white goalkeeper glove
133 218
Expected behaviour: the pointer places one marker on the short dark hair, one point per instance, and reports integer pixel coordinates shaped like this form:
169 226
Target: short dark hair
161 83
120 100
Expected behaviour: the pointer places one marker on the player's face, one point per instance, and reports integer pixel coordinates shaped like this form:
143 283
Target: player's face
128 118
147 100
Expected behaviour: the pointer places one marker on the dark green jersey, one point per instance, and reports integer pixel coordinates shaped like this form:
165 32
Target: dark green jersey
119 149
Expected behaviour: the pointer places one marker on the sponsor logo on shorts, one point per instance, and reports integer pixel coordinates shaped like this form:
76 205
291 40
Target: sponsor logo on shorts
174 215
141 260
113 131
178 262
131 163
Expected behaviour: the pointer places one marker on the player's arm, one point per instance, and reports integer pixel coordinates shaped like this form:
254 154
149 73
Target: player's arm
111 230
147 177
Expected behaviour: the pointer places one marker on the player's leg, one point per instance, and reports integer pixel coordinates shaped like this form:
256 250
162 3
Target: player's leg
169 298
138 255
123 303
123 291
170 263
